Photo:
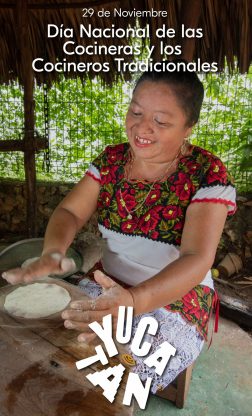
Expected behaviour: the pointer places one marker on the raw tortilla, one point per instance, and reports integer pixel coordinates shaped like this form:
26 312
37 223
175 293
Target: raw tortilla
37 300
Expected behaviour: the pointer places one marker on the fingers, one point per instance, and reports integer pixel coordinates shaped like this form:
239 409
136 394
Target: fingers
78 326
86 337
13 276
51 263
105 281
19 275
83 316
101 303
67 265
80 317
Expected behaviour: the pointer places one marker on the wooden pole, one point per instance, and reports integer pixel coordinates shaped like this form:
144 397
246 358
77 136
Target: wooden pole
27 79
190 15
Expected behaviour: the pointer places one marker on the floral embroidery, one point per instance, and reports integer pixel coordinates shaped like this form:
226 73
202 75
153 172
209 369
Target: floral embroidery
153 197
108 174
183 186
172 212
150 220
161 217
125 198
106 197
128 226
196 307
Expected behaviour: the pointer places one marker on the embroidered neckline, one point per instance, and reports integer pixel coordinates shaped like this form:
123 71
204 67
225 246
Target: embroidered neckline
133 182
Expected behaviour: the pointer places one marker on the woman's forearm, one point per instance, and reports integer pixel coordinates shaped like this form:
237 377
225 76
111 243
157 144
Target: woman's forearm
171 284
70 216
60 232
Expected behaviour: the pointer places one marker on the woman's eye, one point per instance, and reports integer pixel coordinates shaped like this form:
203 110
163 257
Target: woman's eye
136 113
161 123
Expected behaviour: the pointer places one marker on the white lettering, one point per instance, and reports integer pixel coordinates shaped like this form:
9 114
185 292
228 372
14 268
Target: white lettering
100 356
120 336
101 378
105 334
135 387
139 334
164 352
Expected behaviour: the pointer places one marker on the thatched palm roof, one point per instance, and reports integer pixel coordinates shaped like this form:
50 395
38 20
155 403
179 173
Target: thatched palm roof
226 26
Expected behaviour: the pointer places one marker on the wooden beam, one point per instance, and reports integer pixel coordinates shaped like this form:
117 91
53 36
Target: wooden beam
40 143
27 79
190 15
11 146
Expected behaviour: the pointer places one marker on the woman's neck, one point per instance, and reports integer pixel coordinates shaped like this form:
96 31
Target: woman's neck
154 170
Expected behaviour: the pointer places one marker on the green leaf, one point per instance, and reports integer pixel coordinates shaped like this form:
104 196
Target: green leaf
115 219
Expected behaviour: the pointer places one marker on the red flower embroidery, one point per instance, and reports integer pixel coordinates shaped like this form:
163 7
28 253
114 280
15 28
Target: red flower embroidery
115 153
192 167
153 197
106 223
206 290
201 296
204 151
183 187
204 317
150 220
108 174
125 199
104 199
191 304
154 235
179 225
178 240
171 212
140 185
217 172
128 226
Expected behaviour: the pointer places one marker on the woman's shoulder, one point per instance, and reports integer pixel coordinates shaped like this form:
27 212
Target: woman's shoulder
205 155
114 149
214 169
112 154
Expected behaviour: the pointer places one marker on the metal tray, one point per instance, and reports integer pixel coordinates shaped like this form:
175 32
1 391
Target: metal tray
14 255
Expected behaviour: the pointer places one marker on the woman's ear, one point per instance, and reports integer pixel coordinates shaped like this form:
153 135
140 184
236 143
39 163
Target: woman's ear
188 131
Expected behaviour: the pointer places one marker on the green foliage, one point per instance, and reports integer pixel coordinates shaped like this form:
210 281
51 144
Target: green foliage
85 117
225 125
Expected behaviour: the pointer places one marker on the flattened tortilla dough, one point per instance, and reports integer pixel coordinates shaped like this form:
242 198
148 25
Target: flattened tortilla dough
37 300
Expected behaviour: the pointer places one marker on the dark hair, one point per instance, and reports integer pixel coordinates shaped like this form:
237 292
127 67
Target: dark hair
185 85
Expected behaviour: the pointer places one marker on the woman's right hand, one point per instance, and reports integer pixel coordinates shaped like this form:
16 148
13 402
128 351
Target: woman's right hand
48 263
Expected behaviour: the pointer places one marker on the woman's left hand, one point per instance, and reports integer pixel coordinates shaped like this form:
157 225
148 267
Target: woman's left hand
84 312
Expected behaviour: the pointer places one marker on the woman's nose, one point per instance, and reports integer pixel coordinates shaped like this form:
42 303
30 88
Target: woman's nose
145 125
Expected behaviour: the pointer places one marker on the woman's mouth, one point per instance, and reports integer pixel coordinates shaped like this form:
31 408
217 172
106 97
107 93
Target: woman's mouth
142 141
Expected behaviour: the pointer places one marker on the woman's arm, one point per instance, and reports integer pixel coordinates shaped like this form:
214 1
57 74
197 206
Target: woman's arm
67 219
202 231
70 215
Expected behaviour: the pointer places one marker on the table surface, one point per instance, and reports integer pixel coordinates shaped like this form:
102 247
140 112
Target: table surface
38 375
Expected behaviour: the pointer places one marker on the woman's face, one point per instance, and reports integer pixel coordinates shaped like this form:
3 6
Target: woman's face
156 125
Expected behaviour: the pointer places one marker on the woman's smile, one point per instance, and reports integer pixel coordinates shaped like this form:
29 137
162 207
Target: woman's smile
142 141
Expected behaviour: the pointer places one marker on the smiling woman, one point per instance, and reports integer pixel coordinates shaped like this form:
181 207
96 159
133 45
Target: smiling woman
162 204
156 128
